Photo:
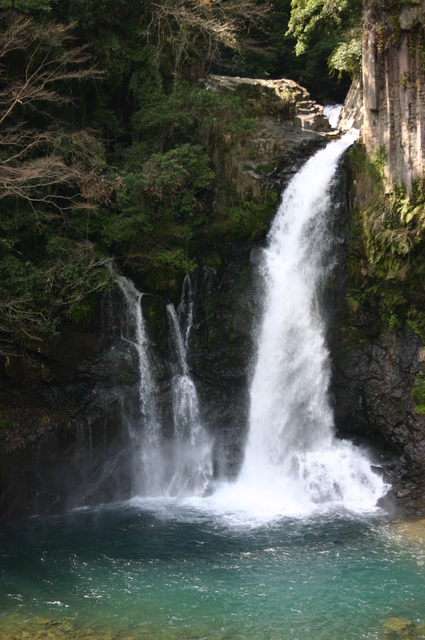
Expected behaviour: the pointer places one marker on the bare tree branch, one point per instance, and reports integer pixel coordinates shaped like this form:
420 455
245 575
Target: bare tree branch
207 23
54 170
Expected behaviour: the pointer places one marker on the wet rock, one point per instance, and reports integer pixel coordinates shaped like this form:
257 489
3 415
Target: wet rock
221 349
396 624
70 437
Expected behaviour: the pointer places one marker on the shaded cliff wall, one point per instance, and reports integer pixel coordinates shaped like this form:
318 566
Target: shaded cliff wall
375 366
394 88
64 438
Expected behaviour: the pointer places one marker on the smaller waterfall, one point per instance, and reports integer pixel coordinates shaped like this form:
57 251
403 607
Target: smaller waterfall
181 466
332 112
149 437
192 455
185 309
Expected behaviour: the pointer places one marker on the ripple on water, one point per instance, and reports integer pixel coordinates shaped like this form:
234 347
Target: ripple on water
131 572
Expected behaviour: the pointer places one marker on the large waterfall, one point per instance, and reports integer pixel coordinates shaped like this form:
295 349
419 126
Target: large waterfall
292 460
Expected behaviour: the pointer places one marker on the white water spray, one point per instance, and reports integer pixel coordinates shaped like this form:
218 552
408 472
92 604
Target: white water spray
192 455
181 466
292 460
133 331
332 112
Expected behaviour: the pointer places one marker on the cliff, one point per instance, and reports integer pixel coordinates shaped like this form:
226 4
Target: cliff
394 88
69 407
375 336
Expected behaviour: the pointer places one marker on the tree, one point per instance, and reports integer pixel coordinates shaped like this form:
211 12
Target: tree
200 28
50 176
333 24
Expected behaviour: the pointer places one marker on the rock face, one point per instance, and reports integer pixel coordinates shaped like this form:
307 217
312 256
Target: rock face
394 88
372 391
371 387
64 439
373 373
287 134
352 114
221 348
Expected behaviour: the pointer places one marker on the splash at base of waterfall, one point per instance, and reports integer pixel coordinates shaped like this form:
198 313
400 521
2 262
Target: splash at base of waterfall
336 479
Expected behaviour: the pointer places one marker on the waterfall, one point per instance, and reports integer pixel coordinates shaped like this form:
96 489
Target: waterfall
332 112
292 460
185 309
293 463
149 435
192 454
181 466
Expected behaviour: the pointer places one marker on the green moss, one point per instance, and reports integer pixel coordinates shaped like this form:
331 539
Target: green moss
209 311
5 423
386 264
266 167
212 259
373 165
156 320
418 396
259 100
248 220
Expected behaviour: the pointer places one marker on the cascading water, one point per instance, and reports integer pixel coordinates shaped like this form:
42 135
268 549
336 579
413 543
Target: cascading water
293 463
185 309
332 112
181 466
192 454
149 436
292 460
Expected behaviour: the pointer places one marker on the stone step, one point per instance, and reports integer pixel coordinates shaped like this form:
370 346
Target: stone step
305 103
307 111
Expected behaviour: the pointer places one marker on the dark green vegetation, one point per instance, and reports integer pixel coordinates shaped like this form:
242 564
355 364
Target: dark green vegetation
418 396
106 138
388 241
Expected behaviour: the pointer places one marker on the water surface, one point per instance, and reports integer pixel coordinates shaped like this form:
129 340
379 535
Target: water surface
164 570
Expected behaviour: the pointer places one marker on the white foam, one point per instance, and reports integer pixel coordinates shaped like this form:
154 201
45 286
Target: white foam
332 112
293 464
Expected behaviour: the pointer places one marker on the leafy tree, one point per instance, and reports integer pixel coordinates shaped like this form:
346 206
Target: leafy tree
333 26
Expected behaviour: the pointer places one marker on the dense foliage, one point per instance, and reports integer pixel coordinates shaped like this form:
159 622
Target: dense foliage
104 143
331 29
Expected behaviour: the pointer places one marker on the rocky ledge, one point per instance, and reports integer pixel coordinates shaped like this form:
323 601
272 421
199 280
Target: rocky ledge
289 129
